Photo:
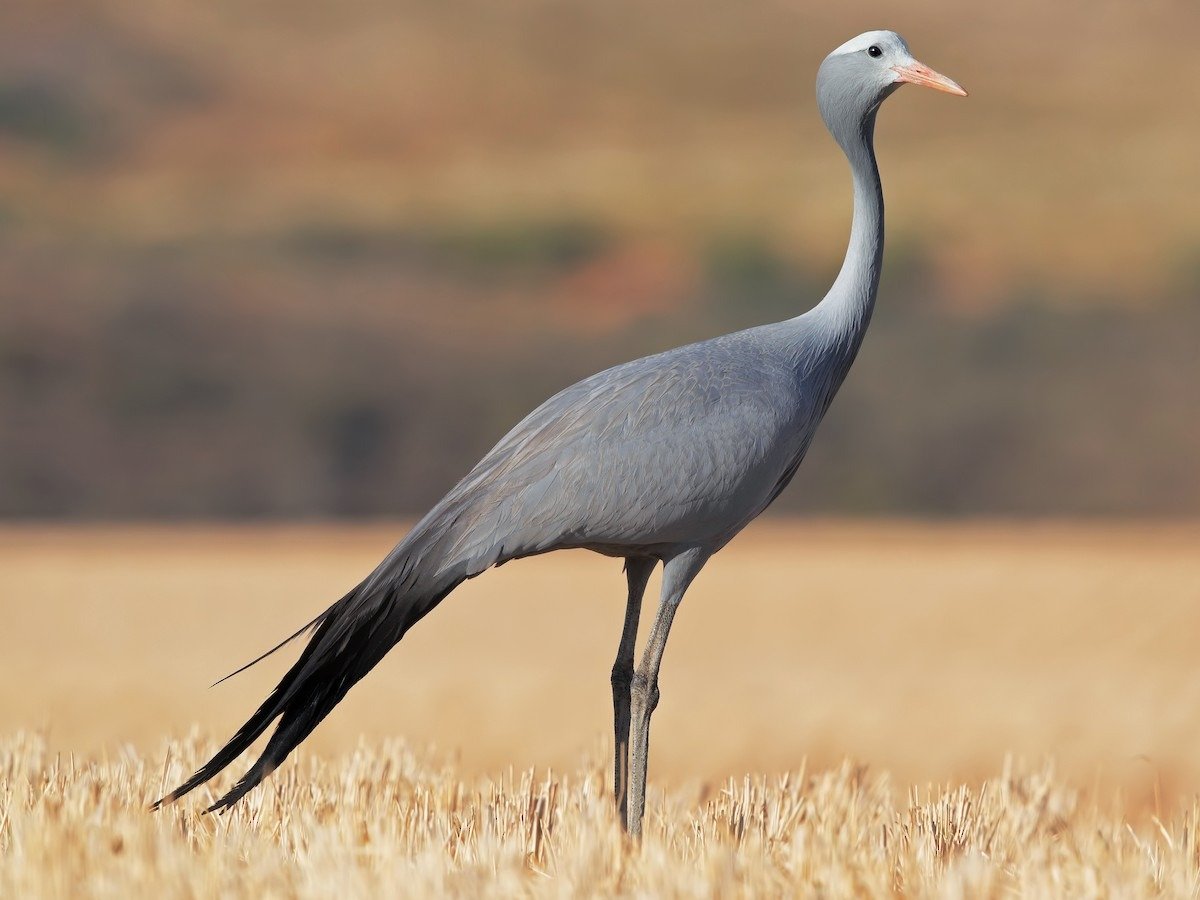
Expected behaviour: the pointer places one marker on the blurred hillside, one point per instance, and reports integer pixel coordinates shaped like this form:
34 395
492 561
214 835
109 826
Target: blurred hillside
306 258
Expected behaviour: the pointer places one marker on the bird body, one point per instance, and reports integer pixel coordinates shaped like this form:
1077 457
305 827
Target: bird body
662 459
683 447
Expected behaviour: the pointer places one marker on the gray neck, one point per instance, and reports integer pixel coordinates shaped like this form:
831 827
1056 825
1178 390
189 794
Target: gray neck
846 309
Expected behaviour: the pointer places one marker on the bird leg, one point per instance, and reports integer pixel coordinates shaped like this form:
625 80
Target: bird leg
678 572
637 573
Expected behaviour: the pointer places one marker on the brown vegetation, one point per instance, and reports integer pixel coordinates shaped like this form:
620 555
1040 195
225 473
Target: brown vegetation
190 121
315 261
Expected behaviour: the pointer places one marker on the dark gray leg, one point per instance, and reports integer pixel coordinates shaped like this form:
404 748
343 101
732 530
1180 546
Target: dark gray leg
637 572
678 572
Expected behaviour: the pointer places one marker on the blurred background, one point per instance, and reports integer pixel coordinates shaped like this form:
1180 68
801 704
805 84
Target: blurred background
273 261
281 259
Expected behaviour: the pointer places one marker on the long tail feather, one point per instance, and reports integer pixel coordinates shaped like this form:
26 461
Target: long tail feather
287 640
350 638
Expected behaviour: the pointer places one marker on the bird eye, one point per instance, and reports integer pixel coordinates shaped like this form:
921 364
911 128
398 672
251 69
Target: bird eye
874 51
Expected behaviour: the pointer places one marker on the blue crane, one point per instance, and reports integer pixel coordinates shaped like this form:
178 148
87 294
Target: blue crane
660 460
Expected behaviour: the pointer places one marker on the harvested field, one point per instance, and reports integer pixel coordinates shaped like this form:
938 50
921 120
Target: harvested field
384 822
923 653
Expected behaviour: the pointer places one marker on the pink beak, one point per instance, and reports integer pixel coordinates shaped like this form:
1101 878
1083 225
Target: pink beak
919 73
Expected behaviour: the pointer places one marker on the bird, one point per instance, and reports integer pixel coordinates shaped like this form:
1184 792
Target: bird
662 460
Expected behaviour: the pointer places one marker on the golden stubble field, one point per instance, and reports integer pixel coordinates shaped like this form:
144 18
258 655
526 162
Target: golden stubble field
1042 677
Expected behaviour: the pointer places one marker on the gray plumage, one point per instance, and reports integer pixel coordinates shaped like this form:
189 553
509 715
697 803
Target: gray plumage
663 459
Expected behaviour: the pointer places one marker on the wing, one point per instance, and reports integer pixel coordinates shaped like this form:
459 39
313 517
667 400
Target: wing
676 447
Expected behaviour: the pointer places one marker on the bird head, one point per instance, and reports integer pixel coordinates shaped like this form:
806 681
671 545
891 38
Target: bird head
859 75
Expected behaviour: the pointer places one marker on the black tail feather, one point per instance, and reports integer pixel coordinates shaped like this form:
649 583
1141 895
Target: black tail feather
287 640
350 638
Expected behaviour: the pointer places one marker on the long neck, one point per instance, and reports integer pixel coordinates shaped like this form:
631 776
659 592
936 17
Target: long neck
846 309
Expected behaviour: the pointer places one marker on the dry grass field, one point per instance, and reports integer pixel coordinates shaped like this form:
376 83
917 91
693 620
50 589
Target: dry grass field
383 822
1042 678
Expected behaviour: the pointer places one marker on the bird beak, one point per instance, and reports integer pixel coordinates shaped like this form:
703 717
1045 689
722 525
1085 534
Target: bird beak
919 73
